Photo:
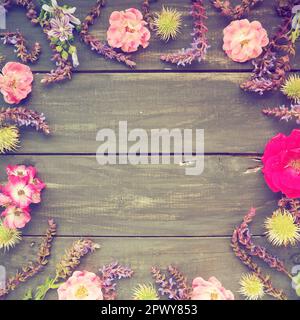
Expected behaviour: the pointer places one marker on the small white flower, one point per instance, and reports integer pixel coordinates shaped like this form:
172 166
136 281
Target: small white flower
66 11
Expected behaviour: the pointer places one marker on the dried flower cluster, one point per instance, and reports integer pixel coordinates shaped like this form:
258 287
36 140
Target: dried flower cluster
32 268
147 13
17 40
271 68
109 275
291 89
24 117
73 256
247 260
174 285
244 237
292 206
199 46
284 113
64 269
235 12
95 44
58 24
54 18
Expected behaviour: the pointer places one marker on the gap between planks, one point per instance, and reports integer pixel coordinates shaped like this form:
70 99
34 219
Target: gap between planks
258 236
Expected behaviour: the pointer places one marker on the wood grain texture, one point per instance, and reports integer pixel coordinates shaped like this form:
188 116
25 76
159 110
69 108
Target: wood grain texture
146 200
78 109
148 59
195 257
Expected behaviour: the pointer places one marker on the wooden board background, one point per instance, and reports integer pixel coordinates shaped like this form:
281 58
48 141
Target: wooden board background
149 214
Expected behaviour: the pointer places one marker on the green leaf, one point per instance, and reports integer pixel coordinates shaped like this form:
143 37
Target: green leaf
72 49
65 55
59 49
298 291
54 40
43 289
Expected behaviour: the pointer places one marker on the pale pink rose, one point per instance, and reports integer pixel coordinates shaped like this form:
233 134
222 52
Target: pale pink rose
127 30
210 290
15 82
15 218
19 191
82 285
244 40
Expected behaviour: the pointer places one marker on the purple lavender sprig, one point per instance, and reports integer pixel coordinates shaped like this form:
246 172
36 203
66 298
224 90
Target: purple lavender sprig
247 260
245 239
25 117
17 40
109 275
271 68
235 12
73 256
284 113
199 46
174 286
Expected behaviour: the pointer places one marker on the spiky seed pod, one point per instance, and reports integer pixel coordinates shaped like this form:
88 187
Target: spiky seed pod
282 228
167 23
8 237
145 292
9 138
252 286
291 88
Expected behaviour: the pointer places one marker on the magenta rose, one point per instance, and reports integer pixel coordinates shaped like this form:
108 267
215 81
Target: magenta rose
281 164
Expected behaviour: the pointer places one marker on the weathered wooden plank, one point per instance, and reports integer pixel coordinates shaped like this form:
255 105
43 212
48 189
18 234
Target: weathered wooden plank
195 257
147 59
146 200
213 102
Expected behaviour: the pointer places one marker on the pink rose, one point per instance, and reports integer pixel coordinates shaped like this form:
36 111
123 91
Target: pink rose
21 171
210 290
5 200
82 285
127 30
15 82
19 191
281 162
15 218
244 40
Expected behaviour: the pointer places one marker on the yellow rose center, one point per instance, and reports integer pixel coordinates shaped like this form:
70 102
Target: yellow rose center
81 292
214 296
295 164
244 42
